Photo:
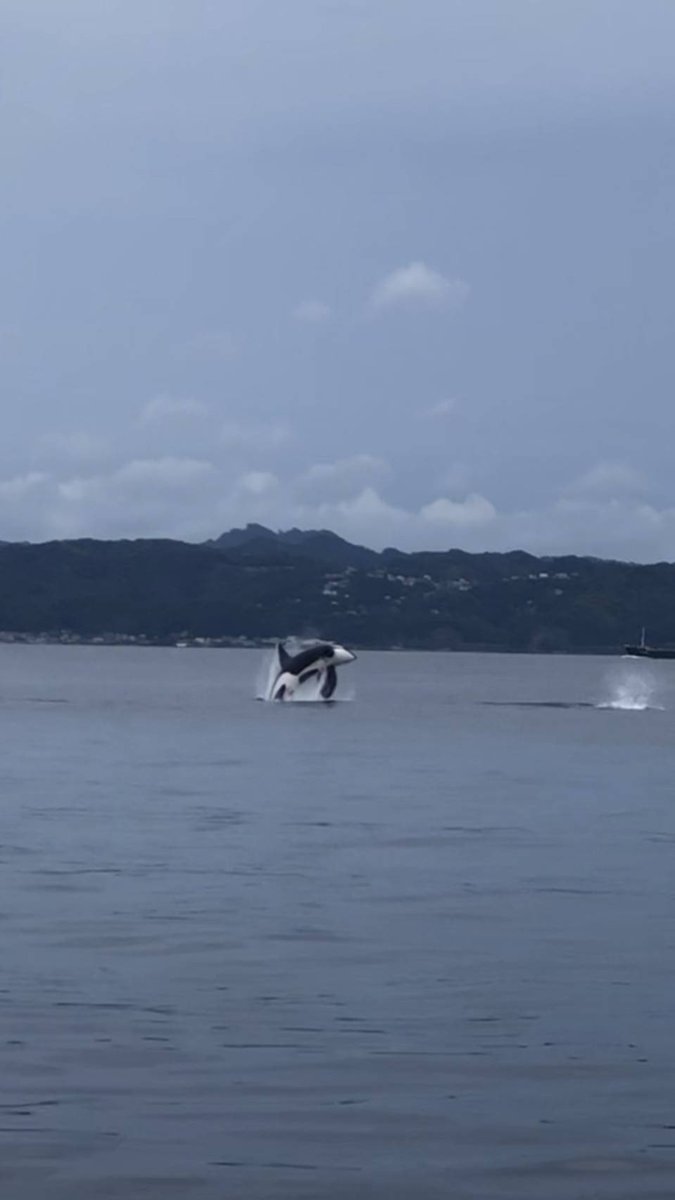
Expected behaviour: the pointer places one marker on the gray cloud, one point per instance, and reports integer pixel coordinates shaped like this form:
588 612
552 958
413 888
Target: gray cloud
255 436
15 490
196 498
79 447
606 480
257 483
342 478
161 410
178 177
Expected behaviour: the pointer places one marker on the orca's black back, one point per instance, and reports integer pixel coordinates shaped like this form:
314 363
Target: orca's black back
300 662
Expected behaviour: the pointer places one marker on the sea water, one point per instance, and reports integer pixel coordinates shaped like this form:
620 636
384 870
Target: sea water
416 945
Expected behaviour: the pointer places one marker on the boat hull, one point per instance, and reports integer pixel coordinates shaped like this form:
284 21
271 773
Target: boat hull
648 652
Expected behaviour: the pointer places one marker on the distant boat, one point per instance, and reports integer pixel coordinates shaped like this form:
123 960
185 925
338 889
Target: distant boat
645 651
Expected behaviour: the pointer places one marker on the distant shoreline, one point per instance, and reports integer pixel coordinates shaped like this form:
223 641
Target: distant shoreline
113 641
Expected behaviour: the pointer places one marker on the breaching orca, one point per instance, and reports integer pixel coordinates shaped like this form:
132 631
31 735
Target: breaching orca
318 660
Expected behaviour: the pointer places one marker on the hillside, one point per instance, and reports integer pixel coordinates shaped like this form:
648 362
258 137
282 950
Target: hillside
254 584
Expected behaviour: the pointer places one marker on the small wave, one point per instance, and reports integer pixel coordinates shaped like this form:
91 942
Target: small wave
537 704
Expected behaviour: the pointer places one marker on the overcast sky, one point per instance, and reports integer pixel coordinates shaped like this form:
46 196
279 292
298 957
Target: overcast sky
399 268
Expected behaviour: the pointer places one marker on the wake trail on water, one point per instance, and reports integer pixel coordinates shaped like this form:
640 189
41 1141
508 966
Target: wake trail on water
632 687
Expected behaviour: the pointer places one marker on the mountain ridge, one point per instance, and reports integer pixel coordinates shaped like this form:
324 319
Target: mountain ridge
321 544
255 584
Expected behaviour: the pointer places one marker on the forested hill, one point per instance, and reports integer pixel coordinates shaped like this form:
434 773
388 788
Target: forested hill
253 585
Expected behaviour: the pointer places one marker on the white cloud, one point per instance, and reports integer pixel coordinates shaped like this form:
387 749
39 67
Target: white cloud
365 518
21 486
171 473
312 312
438 411
607 479
344 477
76 491
473 511
192 498
25 504
258 483
163 481
623 528
162 497
164 409
254 435
372 520
417 285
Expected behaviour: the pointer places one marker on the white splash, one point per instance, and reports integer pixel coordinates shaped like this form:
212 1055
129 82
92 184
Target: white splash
267 673
632 687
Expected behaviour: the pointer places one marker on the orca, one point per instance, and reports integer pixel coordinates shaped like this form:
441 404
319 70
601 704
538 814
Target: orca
316 661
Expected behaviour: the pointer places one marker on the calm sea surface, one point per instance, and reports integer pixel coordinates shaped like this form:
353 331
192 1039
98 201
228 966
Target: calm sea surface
416 946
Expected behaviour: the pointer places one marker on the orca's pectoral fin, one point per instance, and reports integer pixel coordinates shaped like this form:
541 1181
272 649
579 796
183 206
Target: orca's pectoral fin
330 683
